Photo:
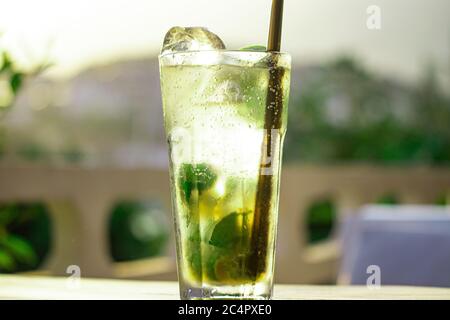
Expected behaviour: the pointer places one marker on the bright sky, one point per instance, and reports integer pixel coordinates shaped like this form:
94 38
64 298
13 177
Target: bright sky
83 32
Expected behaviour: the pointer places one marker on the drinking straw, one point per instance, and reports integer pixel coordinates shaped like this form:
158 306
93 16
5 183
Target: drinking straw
272 121
276 22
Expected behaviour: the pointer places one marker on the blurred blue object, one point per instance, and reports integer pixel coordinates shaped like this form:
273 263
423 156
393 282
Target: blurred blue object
410 244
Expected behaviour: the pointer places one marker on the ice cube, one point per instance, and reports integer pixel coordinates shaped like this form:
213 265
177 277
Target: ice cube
228 91
190 39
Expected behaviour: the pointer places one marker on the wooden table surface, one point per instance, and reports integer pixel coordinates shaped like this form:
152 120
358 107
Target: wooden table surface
33 287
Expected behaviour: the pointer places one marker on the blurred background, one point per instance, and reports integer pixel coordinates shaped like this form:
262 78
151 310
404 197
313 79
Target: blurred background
83 158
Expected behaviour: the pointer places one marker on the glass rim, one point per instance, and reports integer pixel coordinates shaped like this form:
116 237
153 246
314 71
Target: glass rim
246 57
280 53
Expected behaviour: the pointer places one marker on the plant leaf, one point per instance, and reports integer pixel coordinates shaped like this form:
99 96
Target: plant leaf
196 176
227 232
6 62
7 215
16 81
19 249
256 47
6 261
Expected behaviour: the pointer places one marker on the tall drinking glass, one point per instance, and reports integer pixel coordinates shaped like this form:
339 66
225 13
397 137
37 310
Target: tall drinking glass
225 115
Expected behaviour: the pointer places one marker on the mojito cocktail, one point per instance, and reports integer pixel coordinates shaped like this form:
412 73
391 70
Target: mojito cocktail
215 112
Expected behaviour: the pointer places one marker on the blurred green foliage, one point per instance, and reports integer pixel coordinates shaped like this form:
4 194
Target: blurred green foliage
320 220
14 80
15 77
137 230
25 236
346 113
388 198
33 151
72 154
443 200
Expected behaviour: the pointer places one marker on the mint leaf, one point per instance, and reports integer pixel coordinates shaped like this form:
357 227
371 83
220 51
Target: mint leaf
227 233
196 176
194 253
256 47
195 262
210 267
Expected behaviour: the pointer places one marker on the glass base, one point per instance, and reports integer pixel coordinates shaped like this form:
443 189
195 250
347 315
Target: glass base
258 291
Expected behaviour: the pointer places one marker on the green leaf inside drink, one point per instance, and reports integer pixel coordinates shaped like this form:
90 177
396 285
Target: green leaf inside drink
194 180
196 177
255 47
217 240
230 243
227 233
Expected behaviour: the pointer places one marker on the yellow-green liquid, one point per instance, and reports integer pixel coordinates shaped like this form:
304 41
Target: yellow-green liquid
214 120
